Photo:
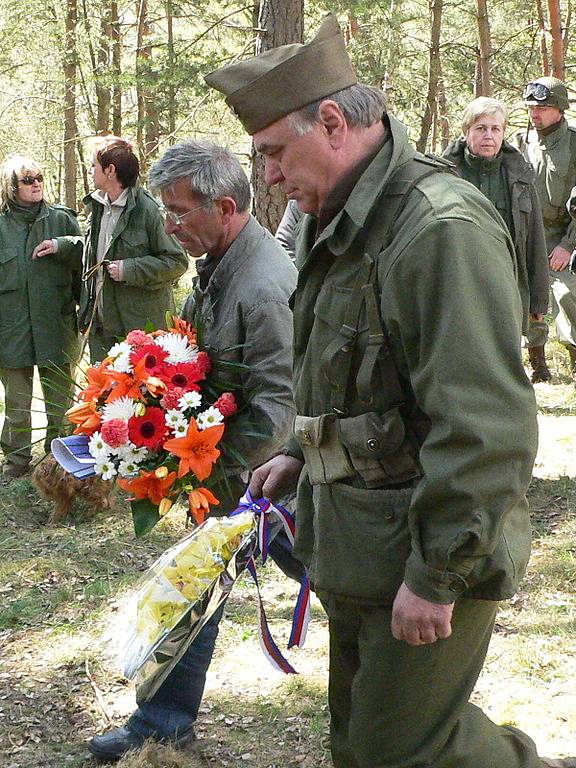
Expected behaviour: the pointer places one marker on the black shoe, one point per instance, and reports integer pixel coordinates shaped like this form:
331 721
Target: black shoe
111 746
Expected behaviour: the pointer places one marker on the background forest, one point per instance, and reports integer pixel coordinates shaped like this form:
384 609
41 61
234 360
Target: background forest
70 69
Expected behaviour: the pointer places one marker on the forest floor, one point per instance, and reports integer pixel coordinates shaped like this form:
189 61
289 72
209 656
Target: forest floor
63 587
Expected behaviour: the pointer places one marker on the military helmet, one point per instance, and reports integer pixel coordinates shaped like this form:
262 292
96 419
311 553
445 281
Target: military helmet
546 92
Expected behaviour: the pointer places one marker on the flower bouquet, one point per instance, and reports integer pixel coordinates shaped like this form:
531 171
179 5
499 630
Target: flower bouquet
152 418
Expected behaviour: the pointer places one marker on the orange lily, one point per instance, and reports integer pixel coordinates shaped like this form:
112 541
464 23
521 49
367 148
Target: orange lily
199 501
184 329
99 382
197 451
149 485
85 416
124 385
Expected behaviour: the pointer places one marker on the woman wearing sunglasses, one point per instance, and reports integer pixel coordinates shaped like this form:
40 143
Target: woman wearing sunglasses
38 298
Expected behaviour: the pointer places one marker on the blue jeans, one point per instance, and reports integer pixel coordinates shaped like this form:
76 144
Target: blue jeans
174 707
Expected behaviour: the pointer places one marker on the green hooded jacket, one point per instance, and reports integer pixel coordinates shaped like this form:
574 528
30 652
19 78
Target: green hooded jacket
152 261
441 458
526 218
38 297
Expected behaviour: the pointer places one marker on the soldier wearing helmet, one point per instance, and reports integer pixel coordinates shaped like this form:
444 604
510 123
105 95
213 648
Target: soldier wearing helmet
551 150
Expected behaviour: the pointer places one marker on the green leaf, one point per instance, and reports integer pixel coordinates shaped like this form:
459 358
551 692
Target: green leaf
144 516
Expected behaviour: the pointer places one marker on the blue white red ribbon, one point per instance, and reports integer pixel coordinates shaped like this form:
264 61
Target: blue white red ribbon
263 508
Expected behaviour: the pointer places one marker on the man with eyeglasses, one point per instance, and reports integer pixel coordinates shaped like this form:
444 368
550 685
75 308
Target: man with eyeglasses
130 263
240 301
551 150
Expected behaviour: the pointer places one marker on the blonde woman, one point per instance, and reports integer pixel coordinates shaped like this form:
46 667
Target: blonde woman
38 298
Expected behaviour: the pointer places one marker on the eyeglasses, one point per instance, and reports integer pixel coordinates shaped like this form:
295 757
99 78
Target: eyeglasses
29 180
537 91
176 218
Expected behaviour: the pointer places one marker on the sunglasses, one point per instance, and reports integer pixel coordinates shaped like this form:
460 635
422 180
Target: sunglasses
537 91
29 180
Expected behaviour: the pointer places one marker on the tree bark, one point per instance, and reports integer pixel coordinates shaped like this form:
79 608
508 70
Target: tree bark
116 38
147 125
544 60
70 132
279 22
485 47
103 94
557 41
171 89
434 69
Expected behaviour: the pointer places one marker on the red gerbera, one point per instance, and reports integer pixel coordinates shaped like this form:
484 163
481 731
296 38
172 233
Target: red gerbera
182 375
151 357
148 430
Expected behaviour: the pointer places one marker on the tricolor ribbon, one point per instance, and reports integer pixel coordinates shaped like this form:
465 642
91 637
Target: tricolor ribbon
263 509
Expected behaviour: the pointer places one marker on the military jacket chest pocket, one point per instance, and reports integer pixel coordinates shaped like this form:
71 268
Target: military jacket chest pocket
338 332
8 269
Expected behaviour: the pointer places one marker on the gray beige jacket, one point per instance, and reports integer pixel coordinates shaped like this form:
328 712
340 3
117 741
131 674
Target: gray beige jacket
244 318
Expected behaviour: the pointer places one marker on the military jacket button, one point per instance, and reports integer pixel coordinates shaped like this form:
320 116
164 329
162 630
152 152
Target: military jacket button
373 444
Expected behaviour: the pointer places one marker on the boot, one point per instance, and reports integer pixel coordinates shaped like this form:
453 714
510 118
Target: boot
540 371
559 762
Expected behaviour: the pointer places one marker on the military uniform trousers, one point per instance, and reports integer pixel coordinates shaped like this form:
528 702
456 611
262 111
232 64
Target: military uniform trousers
394 705
16 439
563 300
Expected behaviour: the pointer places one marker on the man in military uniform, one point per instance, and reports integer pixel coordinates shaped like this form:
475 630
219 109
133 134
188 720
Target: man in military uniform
551 150
414 445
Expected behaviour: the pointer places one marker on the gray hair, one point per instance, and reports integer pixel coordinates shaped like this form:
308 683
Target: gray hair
483 105
214 172
362 106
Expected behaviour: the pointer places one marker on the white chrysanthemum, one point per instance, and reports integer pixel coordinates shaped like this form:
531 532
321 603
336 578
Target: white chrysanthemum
119 349
122 408
105 468
209 418
178 348
122 364
190 400
180 429
99 449
132 454
174 417
128 469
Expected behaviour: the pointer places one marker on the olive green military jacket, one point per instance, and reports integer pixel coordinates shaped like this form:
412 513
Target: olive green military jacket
38 297
553 158
244 317
453 520
152 262
528 230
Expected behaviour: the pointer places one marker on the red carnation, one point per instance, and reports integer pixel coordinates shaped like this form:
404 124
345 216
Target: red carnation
182 376
171 400
226 404
203 361
114 432
151 357
149 430
138 338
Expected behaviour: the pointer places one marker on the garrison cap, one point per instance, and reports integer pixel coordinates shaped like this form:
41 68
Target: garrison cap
265 88
546 92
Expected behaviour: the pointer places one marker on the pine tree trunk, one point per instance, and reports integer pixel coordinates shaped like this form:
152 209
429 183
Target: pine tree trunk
434 69
544 60
485 47
103 94
557 41
70 133
116 38
279 22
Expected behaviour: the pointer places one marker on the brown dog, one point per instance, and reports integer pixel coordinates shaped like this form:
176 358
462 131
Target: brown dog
61 487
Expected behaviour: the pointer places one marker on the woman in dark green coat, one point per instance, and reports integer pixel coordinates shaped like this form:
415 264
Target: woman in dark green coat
38 300
499 171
